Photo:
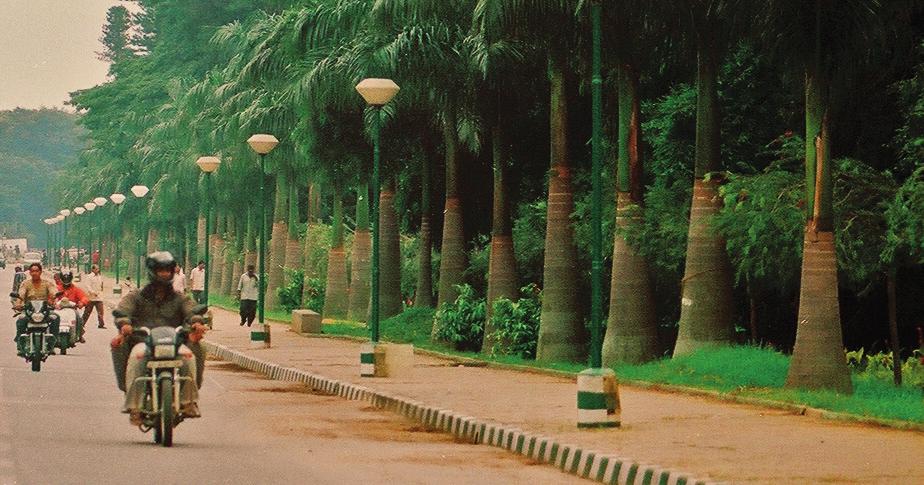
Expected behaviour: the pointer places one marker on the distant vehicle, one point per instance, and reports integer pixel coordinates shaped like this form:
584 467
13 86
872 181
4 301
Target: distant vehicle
31 257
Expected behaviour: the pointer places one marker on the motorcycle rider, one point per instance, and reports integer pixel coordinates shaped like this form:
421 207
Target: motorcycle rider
36 288
156 305
18 277
72 292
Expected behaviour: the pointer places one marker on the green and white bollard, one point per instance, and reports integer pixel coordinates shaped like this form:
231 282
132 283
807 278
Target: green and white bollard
597 399
260 336
367 360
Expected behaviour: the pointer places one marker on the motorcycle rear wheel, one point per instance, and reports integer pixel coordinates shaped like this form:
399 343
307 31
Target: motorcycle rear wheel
166 412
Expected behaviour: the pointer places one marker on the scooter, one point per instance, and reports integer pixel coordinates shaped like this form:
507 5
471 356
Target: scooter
67 331
37 342
163 383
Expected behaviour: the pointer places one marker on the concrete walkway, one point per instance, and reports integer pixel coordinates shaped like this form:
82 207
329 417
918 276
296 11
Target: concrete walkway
687 435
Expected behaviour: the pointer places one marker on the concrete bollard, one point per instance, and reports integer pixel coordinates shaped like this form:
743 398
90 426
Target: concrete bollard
597 399
386 359
306 322
260 336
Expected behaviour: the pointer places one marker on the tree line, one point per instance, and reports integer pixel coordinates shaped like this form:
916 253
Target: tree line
763 158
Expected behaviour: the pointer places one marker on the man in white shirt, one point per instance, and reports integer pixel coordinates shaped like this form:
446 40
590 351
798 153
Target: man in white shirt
197 281
179 281
93 285
248 288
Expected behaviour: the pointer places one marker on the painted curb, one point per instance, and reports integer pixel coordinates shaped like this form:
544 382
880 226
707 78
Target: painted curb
591 464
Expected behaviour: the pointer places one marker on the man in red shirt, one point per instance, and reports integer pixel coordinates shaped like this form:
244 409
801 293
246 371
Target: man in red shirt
72 292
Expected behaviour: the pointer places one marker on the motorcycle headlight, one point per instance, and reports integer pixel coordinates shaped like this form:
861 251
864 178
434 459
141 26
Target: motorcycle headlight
38 317
164 351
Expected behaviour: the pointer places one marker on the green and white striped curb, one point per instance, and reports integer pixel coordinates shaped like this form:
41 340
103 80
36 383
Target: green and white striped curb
591 464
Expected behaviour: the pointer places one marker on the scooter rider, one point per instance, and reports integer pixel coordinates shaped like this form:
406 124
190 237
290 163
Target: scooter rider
156 305
36 288
73 293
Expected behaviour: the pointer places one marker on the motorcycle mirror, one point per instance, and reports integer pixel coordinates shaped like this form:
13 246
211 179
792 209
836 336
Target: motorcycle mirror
14 295
119 314
200 309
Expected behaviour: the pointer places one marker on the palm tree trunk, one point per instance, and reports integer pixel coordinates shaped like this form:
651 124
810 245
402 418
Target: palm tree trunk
893 328
228 257
631 329
706 311
216 263
562 336
389 253
337 291
502 266
424 296
293 245
452 259
818 355
250 254
277 245
361 255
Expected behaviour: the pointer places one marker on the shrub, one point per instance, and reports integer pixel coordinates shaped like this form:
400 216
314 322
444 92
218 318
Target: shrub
462 321
516 323
290 294
314 297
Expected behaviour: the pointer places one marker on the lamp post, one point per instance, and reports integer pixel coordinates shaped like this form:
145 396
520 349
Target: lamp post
376 92
47 261
117 199
261 144
100 202
208 165
67 260
79 210
597 394
139 191
90 207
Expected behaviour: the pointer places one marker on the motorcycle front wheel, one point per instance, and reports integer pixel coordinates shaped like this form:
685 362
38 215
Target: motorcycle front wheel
166 412
36 362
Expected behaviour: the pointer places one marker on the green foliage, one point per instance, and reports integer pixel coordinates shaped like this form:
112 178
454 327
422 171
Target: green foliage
878 367
316 246
905 220
462 322
290 294
479 258
516 323
762 225
409 264
314 297
529 239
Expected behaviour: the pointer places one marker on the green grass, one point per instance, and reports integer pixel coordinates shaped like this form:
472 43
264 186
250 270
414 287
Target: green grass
739 370
232 304
761 373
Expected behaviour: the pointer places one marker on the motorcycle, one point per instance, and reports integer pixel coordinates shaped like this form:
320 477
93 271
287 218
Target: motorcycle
67 331
37 342
163 383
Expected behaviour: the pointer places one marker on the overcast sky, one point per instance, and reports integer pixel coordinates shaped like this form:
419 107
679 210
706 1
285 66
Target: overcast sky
48 49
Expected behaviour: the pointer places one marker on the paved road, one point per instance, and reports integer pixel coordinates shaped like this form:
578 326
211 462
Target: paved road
62 426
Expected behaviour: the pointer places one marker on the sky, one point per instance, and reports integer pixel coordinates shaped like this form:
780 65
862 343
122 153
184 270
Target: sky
48 49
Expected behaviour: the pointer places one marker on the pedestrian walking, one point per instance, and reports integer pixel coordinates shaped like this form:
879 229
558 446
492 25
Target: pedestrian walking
93 286
248 288
197 281
179 280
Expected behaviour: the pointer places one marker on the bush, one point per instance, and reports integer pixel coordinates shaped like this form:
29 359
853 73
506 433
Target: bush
462 321
314 297
878 367
516 323
290 294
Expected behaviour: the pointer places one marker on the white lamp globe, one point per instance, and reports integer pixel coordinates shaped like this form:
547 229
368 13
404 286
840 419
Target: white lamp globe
117 198
90 206
208 164
100 201
262 143
79 211
139 190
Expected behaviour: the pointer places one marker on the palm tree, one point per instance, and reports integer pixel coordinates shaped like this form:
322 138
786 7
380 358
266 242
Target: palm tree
706 310
551 26
337 293
631 333
360 258
825 41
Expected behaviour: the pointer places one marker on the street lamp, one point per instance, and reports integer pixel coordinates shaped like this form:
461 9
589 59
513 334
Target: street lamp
139 191
100 202
262 144
597 393
376 92
79 210
48 222
64 213
208 165
117 199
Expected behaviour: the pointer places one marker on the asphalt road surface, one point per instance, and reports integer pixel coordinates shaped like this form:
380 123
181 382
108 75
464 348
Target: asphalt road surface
62 425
